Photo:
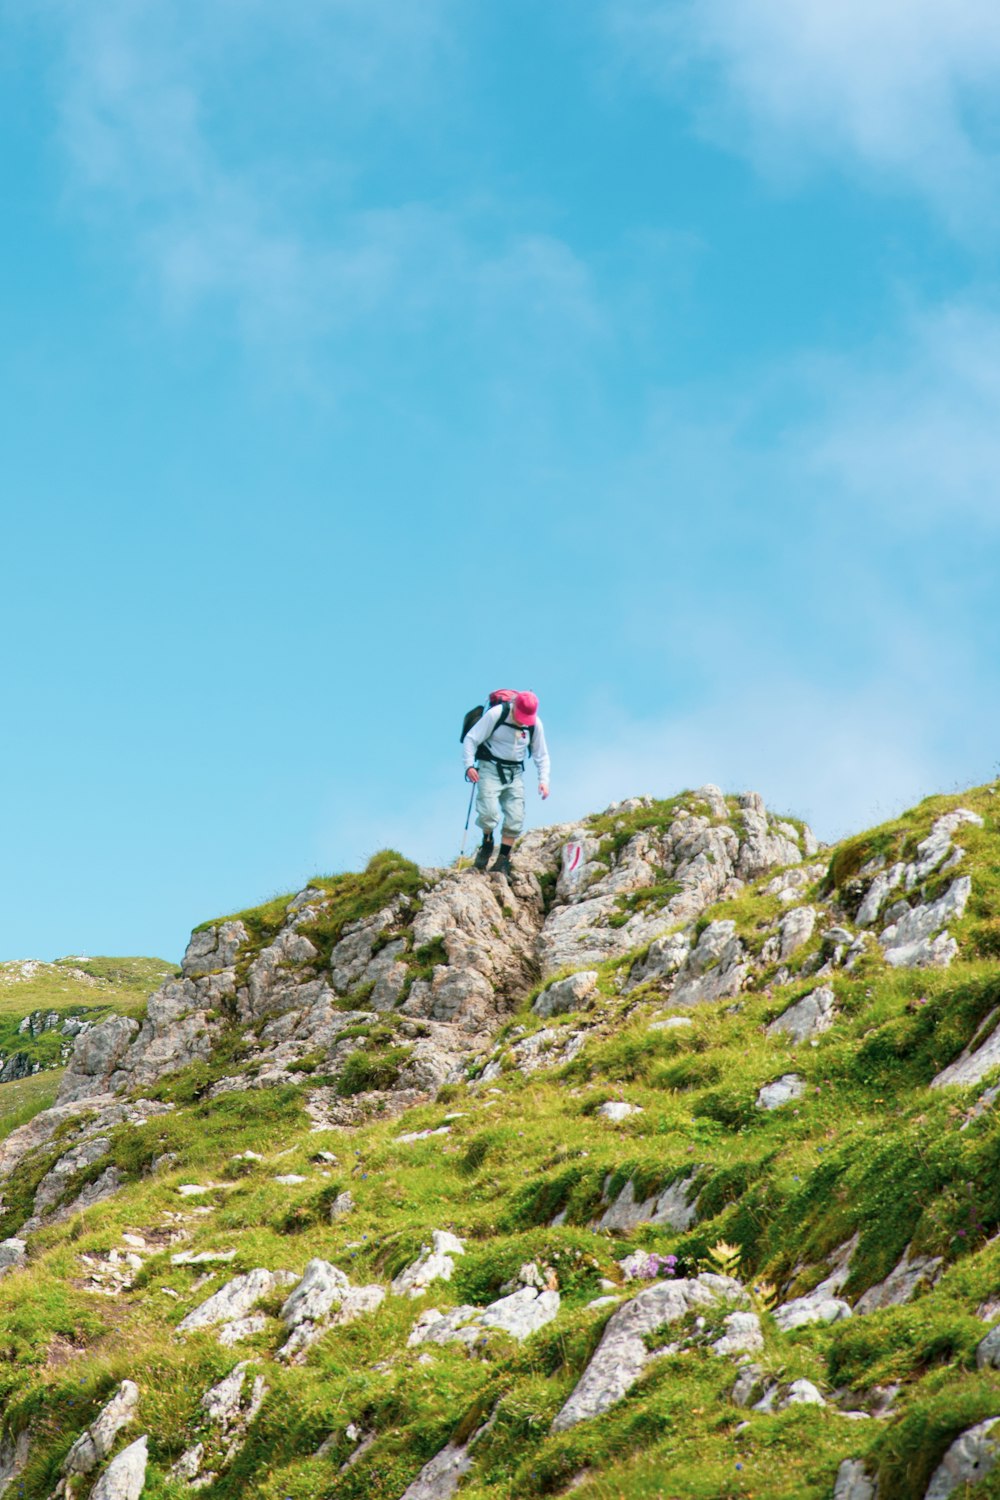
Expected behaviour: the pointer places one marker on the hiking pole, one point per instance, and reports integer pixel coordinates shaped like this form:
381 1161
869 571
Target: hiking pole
465 835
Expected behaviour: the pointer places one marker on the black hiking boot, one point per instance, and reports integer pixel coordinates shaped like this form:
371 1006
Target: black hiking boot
501 865
484 851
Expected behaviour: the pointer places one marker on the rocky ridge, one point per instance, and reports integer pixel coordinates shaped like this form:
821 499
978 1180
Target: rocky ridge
602 981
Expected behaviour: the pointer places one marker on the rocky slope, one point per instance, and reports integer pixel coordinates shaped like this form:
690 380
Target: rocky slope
668 1167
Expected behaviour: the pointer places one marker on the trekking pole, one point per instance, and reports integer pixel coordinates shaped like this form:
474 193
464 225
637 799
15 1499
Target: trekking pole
465 835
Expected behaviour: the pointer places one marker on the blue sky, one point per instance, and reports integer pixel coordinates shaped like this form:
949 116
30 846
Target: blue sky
360 357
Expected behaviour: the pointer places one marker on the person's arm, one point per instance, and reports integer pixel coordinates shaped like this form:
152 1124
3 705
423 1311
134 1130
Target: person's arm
540 755
479 733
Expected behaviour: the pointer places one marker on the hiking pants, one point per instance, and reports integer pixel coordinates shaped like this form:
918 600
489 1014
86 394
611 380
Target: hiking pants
494 798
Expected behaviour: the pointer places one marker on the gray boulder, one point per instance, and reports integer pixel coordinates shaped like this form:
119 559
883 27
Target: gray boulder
795 929
93 1446
566 994
322 1299
988 1352
213 949
817 1307
435 1263
974 1062
910 942
853 1482
236 1299
970 1458
622 1355
783 1090
902 1282
808 1017
675 1207
715 967
125 1476
439 1479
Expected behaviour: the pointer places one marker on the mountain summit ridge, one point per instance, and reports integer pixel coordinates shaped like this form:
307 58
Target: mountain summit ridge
687 1130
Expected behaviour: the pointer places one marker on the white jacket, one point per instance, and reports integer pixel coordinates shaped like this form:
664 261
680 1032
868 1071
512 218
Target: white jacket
509 742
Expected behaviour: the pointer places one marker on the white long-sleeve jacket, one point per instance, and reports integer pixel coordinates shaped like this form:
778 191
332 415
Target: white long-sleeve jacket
509 742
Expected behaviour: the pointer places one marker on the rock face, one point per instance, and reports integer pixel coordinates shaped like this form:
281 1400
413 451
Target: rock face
901 1284
435 1263
125 1476
716 967
808 1017
93 1446
622 1354
322 1299
970 1458
976 1060
675 1207
520 1314
235 1300
439 1478
783 1090
566 994
853 1482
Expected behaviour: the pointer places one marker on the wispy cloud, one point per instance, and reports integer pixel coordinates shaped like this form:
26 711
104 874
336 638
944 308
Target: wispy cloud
150 121
900 89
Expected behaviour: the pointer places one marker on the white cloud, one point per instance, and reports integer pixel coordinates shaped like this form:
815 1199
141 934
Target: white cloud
216 221
904 89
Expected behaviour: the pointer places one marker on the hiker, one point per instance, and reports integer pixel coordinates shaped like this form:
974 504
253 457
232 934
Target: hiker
499 743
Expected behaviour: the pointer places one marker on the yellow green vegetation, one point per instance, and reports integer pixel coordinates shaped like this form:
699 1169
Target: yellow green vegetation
522 1169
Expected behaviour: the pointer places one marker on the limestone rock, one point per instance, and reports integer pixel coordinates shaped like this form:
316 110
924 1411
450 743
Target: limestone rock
435 1263
240 1329
714 968
520 1314
795 929
901 1284
323 1298
566 994
95 1443
970 1458
801 1311
802 1393
762 849
675 1208
622 1355
853 1482
974 1062
236 1299
808 1017
13 1254
742 1335
617 1110
96 1058
988 1352
54 1184
341 1205
125 1476
213 949
664 957
439 1478
910 942
783 1090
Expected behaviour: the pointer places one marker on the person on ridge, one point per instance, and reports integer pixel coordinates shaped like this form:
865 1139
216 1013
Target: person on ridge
499 743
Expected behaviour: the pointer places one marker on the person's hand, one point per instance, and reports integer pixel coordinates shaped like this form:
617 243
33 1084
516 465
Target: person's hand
472 774
543 790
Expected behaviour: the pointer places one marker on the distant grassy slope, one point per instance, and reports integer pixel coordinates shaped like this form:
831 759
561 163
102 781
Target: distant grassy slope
91 988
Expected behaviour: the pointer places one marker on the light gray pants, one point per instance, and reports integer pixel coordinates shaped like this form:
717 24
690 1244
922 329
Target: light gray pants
494 798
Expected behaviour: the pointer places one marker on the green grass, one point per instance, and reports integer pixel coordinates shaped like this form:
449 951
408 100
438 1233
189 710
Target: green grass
869 1150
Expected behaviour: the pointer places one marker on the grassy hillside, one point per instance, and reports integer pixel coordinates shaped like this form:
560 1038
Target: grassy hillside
523 1165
